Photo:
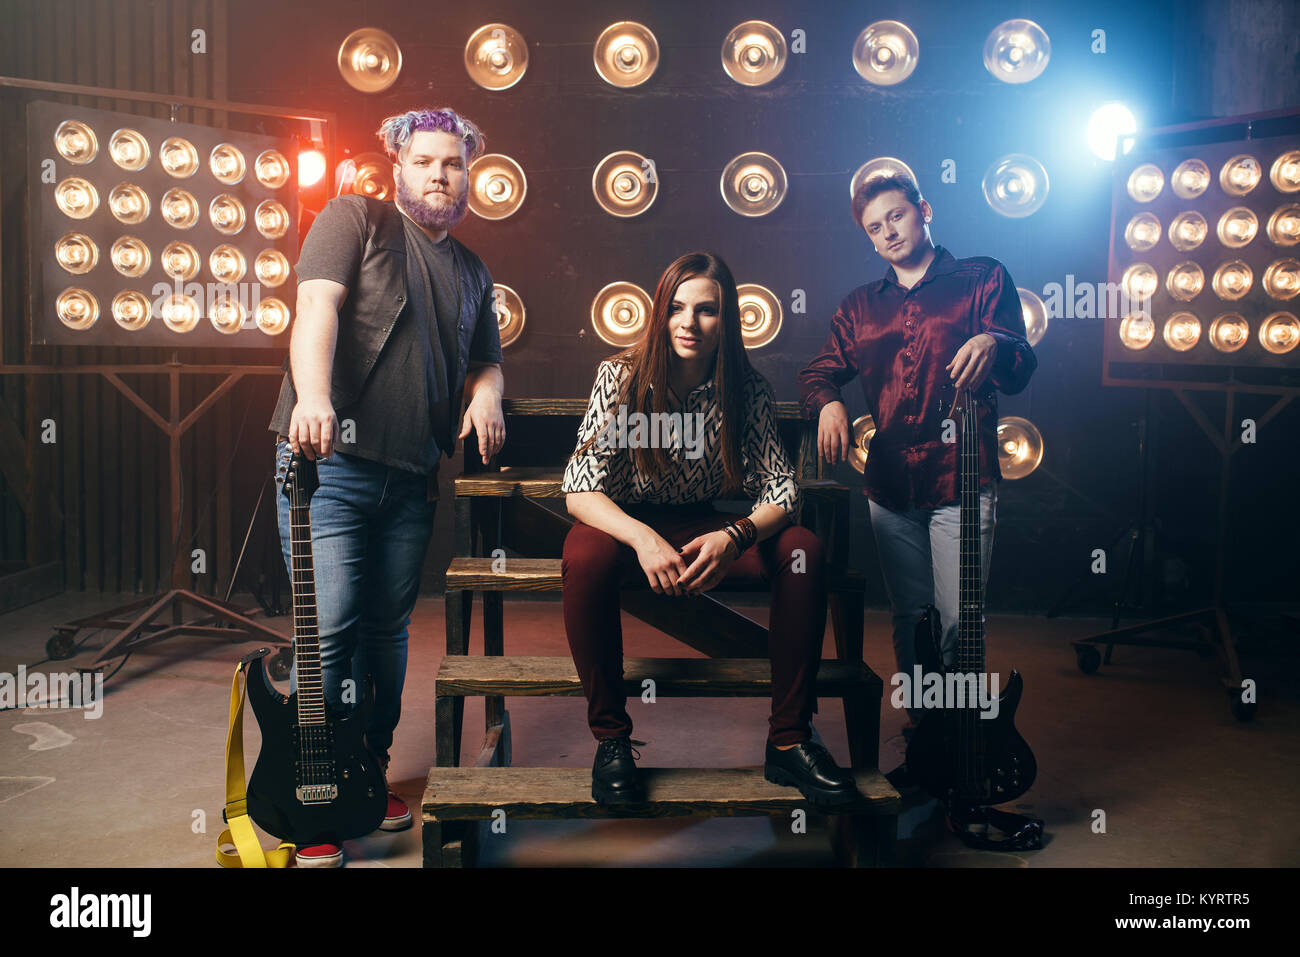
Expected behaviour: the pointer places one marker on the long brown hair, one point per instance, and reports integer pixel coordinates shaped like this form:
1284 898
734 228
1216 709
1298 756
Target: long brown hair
646 387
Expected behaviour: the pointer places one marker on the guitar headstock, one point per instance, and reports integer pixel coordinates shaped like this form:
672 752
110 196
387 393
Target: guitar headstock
301 477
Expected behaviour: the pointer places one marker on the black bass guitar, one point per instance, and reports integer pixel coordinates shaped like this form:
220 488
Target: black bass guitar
956 754
315 780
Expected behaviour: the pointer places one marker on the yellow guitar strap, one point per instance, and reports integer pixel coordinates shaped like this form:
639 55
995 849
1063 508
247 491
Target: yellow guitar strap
239 831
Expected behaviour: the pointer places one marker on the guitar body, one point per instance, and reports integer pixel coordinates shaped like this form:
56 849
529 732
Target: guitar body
934 753
359 797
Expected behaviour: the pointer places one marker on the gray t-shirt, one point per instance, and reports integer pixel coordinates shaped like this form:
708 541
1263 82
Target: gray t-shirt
403 416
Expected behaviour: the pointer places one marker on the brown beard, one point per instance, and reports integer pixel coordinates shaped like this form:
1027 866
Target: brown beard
426 214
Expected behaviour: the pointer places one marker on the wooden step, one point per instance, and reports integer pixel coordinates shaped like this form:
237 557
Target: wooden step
544 481
465 675
521 574
473 794
543 574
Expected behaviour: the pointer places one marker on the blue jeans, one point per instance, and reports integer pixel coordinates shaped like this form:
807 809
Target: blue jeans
370 527
919 551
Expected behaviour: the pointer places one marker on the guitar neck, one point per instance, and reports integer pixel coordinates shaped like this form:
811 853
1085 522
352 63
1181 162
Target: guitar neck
306 638
970 591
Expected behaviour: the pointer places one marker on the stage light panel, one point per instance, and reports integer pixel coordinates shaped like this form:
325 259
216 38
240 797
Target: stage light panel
1221 270
150 220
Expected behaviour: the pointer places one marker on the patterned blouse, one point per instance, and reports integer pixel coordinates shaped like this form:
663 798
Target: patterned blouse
697 473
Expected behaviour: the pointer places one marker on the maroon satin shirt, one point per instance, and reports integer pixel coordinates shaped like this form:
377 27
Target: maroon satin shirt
898 341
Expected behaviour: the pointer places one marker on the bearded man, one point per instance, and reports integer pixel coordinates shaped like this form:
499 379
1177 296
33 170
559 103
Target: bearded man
395 328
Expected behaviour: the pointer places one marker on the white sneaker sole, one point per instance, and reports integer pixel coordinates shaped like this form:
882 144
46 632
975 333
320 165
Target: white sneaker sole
332 860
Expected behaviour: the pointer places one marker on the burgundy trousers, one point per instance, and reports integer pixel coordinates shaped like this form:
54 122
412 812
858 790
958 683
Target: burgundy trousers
596 565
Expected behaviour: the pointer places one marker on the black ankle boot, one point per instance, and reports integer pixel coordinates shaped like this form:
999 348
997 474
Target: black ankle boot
614 777
810 768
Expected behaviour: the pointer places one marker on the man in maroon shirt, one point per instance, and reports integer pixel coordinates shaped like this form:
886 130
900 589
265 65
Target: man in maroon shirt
934 325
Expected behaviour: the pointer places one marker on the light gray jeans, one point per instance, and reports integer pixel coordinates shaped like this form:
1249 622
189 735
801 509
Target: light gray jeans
919 552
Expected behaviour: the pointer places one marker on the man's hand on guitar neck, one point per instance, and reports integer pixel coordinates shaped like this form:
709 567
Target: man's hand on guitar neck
313 428
973 361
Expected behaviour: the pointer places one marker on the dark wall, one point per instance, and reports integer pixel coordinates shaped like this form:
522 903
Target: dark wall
821 121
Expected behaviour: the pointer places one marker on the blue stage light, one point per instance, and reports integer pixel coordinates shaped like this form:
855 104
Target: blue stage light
1108 123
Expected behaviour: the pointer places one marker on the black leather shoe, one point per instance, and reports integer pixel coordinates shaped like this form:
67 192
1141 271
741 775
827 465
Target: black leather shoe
810 768
614 777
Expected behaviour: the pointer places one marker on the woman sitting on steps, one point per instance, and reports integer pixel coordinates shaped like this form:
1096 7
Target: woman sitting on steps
675 421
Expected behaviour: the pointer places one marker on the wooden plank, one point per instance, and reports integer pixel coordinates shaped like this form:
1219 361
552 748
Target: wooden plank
472 794
532 481
519 574
526 675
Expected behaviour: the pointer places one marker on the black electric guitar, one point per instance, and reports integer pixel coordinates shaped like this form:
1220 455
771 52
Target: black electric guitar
315 780
959 756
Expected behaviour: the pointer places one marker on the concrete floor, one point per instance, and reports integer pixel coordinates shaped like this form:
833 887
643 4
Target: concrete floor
1149 741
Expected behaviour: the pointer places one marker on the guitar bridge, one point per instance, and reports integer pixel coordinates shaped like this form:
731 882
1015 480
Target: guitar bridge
317 793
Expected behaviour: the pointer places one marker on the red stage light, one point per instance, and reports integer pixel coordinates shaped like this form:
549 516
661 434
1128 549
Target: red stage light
311 168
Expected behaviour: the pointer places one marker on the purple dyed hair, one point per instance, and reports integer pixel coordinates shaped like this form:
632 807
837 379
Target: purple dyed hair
396 131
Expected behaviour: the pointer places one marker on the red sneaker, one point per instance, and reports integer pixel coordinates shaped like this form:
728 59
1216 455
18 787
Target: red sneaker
398 815
319 855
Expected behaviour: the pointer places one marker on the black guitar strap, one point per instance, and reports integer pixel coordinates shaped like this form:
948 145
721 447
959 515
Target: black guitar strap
1021 832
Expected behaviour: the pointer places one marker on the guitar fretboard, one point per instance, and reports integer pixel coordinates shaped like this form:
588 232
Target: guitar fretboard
970 589
306 637
971 779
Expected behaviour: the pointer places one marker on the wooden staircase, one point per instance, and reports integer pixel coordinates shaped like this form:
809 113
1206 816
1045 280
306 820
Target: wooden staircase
504 509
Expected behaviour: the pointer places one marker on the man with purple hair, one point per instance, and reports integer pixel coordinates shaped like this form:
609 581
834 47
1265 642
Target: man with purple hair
396 327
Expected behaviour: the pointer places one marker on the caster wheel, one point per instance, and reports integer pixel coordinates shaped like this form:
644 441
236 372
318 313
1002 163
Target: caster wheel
1242 710
60 646
279 665
1088 658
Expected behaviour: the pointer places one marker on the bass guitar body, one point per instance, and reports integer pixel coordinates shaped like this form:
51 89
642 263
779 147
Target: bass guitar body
312 783
959 754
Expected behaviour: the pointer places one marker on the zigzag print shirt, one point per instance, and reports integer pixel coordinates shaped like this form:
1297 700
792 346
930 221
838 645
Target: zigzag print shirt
697 473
